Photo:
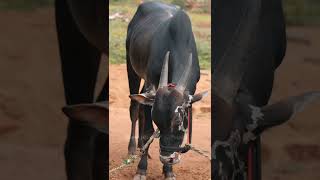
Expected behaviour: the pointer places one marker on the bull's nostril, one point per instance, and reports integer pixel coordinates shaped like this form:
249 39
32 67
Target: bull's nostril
171 160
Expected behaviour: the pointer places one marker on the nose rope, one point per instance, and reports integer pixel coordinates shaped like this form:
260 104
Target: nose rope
156 134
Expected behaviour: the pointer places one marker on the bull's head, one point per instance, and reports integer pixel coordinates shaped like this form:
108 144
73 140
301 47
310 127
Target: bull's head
170 106
235 126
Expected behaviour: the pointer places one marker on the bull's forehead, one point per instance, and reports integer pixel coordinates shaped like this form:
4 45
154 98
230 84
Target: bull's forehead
166 102
168 96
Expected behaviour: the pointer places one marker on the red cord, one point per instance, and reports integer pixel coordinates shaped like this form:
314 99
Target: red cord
171 85
188 138
250 163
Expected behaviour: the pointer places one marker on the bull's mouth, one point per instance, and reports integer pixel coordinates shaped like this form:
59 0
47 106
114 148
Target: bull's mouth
172 159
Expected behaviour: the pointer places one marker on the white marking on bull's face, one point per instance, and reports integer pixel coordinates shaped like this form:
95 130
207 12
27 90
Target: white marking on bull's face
190 97
248 136
256 115
234 166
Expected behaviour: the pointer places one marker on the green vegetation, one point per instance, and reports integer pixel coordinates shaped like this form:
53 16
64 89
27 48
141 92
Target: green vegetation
300 12
118 28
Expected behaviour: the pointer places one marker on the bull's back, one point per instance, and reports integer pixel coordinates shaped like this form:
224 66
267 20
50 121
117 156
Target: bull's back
146 22
91 19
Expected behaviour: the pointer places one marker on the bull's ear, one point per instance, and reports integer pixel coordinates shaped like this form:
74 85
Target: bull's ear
96 115
198 97
280 112
144 98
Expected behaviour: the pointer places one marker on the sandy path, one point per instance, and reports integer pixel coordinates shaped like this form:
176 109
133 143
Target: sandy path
31 96
32 125
192 166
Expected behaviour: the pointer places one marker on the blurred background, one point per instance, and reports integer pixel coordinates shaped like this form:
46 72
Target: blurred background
32 125
292 151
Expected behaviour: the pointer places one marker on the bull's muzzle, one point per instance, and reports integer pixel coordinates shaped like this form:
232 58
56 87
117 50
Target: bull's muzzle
172 159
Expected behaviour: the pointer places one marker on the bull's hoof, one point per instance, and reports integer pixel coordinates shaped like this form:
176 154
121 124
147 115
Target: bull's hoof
170 176
139 177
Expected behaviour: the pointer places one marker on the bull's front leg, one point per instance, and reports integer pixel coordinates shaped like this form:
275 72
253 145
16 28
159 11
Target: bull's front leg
147 131
141 173
168 172
134 111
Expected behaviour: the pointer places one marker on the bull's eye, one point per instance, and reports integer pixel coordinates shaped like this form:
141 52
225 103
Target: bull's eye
179 121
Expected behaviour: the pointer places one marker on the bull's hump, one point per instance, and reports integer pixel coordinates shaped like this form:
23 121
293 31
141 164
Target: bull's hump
151 16
151 7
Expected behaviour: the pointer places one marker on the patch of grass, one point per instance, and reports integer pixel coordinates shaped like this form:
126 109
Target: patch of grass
204 53
305 12
24 4
201 23
117 38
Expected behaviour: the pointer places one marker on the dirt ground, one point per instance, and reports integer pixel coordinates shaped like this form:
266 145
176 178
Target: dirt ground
192 165
32 127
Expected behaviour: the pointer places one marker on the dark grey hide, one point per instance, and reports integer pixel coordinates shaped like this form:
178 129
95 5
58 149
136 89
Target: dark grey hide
82 31
161 49
249 40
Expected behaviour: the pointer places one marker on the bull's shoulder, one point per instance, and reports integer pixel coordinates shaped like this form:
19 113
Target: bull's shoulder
151 12
149 17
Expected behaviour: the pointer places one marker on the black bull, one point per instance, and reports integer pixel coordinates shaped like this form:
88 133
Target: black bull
249 43
161 50
83 37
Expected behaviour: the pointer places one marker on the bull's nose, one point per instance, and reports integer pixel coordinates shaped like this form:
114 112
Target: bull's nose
172 159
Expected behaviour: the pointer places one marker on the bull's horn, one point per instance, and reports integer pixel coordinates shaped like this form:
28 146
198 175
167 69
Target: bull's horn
182 84
164 72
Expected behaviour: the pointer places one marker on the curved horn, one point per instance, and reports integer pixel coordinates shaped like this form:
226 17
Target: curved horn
164 72
182 83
